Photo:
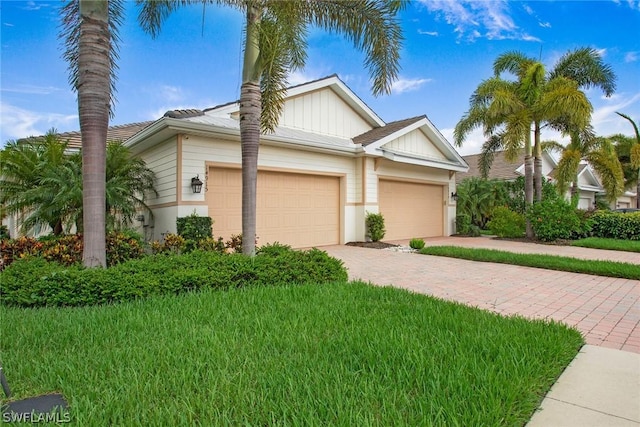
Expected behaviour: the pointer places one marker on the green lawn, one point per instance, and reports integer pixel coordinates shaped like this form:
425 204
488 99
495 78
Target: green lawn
609 244
344 354
551 262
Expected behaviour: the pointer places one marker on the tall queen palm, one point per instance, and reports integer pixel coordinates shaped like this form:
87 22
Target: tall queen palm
275 44
90 32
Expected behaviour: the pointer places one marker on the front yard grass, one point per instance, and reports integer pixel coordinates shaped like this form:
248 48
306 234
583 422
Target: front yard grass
622 270
341 354
609 244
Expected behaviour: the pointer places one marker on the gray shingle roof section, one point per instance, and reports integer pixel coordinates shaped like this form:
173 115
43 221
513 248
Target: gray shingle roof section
183 114
377 134
114 133
500 169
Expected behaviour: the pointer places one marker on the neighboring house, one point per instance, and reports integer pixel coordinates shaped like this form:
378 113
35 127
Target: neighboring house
588 184
330 161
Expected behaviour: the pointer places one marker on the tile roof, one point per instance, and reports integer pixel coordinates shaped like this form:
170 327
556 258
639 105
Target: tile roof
500 169
378 133
115 133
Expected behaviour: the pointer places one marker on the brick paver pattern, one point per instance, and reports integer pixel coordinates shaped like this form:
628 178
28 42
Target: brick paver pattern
605 310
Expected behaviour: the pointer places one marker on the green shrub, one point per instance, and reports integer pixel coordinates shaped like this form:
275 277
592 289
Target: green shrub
194 227
506 223
474 231
375 226
34 282
67 250
615 225
554 219
463 224
416 244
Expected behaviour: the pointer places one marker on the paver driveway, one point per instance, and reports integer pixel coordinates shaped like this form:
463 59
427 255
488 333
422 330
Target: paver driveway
606 310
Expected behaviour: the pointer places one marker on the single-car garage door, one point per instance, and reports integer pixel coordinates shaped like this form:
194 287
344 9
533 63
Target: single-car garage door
411 209
294 209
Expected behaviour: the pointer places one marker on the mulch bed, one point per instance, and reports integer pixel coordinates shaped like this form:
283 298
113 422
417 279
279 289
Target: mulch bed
372 245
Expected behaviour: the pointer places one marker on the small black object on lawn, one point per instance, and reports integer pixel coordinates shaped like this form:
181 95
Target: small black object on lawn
45 404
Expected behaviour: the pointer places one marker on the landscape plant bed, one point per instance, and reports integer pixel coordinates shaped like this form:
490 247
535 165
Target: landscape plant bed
551 262
373 245
341 354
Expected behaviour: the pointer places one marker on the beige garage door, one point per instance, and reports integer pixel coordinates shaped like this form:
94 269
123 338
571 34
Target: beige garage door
295 209
411 209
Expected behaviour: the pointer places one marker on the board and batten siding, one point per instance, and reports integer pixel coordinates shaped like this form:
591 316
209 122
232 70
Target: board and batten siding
162 159
323 112
416 143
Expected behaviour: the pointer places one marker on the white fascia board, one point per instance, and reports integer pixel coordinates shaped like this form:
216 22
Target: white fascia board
166 127
308 146
423 161
590 176
432 134
591 188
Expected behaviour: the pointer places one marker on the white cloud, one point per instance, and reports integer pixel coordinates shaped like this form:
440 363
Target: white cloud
32 89
299 77
407 85
475 19
631 57
170 93
605 120
17 122
472 144
428 33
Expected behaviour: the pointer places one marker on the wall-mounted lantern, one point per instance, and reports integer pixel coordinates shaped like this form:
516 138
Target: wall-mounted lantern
196 184
454 196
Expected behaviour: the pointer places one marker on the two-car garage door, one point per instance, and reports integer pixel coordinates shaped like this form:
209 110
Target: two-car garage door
295 209
411 209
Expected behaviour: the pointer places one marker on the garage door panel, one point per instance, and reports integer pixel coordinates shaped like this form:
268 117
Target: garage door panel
295 209
411 209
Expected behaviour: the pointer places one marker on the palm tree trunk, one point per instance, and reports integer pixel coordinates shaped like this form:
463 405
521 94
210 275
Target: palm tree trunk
250 110
94 96
537 165
528 180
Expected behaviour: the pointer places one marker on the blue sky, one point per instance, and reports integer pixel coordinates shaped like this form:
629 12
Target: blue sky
448 50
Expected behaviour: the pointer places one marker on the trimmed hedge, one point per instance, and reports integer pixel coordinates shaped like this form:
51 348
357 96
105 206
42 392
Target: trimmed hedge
34 282
615 225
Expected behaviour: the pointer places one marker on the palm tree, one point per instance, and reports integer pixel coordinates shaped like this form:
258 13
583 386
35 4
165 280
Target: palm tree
629 153
275 44
40 183
128 182
508 110
90 32
536 99
598 152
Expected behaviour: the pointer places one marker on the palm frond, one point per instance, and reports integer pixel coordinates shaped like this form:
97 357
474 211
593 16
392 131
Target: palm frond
586 67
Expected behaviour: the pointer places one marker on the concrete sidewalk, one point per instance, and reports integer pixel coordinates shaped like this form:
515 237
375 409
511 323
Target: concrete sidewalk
601 387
